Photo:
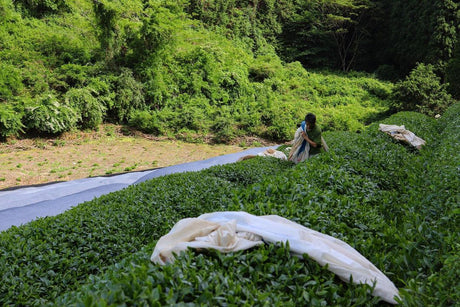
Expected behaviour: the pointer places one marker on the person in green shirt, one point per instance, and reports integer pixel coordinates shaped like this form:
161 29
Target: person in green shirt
307 140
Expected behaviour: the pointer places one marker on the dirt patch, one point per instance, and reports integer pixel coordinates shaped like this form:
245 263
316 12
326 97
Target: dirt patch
108 151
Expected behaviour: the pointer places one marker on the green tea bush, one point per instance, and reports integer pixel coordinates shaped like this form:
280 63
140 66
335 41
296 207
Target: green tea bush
89 109
49 116
396 206
57 254
265 275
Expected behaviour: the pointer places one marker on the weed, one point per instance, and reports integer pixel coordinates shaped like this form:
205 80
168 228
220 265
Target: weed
59 143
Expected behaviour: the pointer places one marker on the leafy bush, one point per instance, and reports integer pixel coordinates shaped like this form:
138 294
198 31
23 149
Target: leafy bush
128 96
421 91
89 109
49 116
40 8
145 121
133 61
61 48
264 67
387 72
10 121
223 128
69 76
10 81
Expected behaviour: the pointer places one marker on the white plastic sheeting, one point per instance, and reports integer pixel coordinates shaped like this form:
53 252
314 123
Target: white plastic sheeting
24 204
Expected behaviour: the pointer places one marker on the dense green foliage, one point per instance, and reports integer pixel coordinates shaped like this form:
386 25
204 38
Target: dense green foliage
213 68
421 91
397 206
230 68
453 72
414 31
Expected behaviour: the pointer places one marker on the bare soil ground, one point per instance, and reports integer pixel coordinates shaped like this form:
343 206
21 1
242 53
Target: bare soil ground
104 152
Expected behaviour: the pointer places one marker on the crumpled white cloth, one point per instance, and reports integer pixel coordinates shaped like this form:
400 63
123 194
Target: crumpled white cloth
233 231
400 133
266 153
273 153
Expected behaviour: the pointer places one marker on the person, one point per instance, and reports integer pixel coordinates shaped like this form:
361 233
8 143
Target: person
307 140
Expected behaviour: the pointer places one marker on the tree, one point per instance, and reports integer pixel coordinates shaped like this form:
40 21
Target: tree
326 32
414 31
453 72
106 14
344 21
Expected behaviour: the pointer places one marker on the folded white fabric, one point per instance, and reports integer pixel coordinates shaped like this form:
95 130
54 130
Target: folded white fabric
233 231
400 133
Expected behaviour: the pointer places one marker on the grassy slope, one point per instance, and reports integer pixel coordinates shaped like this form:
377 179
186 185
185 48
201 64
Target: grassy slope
200 82
396 206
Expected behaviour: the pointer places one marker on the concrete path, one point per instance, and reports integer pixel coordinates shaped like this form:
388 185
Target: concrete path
22 205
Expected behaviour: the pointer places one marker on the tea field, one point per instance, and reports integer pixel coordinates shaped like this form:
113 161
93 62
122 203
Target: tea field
397 206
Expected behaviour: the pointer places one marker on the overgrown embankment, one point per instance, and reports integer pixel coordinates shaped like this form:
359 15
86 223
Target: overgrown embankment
397 206
164 72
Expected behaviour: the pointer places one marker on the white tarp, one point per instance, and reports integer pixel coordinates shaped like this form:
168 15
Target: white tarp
401 134
233 231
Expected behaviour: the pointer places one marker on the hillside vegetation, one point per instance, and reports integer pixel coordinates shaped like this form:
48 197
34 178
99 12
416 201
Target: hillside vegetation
397 206
192 69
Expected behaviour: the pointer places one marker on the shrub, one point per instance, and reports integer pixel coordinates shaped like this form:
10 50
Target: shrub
63 48
145 121
70 75
49 116
10 81
128 96
101 88
89 109
387 72
421 91
10 121
264 67
223 127
40 8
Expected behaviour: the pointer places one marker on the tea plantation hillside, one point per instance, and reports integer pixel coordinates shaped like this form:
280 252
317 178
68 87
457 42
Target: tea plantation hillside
397 206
